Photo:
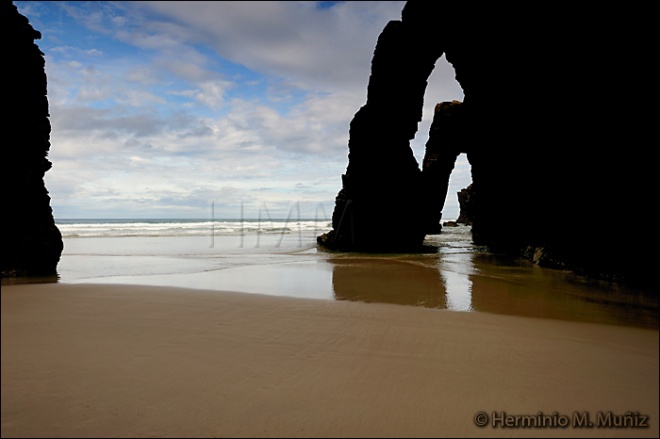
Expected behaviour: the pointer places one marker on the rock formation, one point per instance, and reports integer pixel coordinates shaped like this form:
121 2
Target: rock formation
466 206
31 243
552 125
379 206
445 143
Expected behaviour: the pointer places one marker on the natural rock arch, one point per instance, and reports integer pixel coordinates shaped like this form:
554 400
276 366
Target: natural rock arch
542 136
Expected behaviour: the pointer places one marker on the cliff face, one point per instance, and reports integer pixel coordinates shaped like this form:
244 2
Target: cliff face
31 243
550 124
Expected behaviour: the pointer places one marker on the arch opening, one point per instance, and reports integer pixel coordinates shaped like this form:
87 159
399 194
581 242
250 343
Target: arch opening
445 167
460 180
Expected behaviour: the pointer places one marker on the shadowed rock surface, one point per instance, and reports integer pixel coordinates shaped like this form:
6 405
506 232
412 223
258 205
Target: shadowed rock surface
446 137
31 243
383 176
466 208
552 124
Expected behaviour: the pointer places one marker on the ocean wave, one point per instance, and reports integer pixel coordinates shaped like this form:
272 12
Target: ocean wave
156 228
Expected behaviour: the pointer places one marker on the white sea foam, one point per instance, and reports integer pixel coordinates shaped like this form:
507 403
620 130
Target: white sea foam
77 228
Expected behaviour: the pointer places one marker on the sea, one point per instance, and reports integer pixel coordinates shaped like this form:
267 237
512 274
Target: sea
280 257
89 228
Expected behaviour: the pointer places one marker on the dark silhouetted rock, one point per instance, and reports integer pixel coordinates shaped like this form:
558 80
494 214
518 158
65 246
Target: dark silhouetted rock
446 137
466 206
554 124
31 243
380 203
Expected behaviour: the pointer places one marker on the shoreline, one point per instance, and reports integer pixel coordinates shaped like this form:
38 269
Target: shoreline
457 277
125 360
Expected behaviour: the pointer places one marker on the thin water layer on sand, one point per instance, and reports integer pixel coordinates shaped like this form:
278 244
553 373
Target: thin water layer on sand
457 276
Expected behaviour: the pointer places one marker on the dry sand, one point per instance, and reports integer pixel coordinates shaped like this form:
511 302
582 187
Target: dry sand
101 360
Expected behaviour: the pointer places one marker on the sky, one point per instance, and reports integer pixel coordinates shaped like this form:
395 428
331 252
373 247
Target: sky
164 109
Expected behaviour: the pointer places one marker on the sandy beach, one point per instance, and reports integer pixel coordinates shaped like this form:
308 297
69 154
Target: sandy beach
94 360
326 219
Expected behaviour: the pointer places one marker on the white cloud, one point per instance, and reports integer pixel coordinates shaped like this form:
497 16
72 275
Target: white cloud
313 48
170 105
211 94
76 51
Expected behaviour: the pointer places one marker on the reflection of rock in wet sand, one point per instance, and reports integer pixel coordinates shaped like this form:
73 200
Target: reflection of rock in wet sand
387 281
473 281
506 286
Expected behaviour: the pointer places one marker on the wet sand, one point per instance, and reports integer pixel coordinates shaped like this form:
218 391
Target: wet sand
457 277
96 360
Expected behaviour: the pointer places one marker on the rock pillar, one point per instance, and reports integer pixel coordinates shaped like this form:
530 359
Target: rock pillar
31 243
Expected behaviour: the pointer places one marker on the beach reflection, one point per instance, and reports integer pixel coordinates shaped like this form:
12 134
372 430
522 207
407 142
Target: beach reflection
441 280
46 279
458 284
437 279
463 278
519 287
387 280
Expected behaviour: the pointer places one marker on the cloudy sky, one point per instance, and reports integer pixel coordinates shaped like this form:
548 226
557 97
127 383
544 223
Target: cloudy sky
159 109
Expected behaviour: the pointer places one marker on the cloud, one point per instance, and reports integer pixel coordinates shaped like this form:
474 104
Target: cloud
311 47
169 105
